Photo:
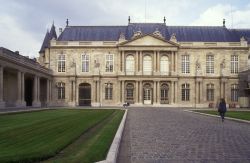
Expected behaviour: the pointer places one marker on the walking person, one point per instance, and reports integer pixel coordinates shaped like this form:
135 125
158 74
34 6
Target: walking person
222 109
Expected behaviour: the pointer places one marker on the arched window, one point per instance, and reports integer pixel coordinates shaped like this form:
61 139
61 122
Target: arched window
130 65
130 92
185 92
61 90
61 63
164 65
147 65
234 92
210 92
108 91
164 93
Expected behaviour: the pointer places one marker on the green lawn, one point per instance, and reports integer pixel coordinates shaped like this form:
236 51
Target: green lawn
244 115
35 136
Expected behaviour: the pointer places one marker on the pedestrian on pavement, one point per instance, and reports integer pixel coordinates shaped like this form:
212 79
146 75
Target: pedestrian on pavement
222 108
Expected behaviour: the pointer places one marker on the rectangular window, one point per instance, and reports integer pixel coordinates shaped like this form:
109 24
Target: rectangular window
185 92
234 64
210 64
109 62
210 92
61 63
61 90
234 92
108 91
185 64
85 63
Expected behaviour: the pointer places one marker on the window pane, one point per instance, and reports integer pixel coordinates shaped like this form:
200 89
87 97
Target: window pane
164 65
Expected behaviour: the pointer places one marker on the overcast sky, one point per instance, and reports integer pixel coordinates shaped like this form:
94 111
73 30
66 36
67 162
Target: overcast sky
23 23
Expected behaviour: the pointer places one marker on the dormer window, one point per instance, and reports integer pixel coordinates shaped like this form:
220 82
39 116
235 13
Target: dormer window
158 33
137 34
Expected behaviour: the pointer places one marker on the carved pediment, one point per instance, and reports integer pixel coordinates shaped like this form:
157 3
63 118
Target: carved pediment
148 40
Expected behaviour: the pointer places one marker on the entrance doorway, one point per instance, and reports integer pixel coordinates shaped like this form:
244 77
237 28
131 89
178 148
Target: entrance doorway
84 94
147 94
28 91
164 94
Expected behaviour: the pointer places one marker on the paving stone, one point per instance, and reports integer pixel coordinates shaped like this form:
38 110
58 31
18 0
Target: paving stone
173 135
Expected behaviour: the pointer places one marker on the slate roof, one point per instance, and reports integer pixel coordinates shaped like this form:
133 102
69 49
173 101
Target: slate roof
49 35
183 33
243 32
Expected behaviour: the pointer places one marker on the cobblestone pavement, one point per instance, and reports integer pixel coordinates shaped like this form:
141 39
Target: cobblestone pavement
172 135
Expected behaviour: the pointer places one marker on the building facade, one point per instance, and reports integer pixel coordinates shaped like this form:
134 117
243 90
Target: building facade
146 64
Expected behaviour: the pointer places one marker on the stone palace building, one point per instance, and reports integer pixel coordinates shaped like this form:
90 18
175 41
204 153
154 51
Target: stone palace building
145 64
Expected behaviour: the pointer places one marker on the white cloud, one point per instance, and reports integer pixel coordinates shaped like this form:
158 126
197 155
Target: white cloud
16 39
213 16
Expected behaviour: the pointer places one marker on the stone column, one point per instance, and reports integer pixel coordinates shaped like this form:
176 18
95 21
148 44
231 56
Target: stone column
141 62
19 87
36 92
172 92
2 103
122 91
176 63
136 62
140 93
154 94
154 63
48 92
172 64
136 92
98 92
20 90
227 93
158 92
201 91
23 90
123 61
176 92
157 61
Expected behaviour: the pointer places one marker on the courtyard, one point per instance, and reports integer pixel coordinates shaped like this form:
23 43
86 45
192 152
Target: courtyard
174 135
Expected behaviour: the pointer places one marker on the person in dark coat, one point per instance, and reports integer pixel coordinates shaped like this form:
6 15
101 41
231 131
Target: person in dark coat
222 109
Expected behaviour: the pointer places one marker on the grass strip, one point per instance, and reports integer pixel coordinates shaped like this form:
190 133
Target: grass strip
93 145
243 115
35 136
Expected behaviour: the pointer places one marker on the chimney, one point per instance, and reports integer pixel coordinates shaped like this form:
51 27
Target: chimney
224 23
128 19
164 19
17 52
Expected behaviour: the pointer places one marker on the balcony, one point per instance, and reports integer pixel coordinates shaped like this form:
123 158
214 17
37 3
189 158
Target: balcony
147 73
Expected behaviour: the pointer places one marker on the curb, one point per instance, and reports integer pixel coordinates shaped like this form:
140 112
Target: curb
114 148
228 118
